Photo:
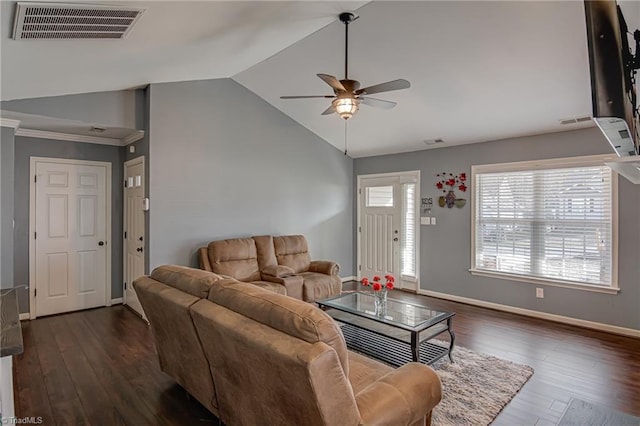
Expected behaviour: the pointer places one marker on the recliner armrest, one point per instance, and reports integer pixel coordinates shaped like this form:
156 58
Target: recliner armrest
401 397
276 271
203 259
326 267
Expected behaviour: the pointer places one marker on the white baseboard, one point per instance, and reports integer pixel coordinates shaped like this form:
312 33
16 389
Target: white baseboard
24 316
631 332
116 301
350 278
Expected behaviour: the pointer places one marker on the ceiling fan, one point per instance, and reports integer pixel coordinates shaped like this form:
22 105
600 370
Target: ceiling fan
347 93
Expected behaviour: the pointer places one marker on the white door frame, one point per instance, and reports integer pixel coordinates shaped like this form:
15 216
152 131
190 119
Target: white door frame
412 175
132 162
32 224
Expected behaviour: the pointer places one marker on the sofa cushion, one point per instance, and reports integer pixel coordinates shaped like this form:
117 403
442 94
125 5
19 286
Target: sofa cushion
292 251
193 281
320 286
266 252
271 286
236 257
288 315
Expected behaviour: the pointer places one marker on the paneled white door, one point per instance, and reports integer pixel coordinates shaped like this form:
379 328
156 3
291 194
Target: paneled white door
380 210
134 230
70 237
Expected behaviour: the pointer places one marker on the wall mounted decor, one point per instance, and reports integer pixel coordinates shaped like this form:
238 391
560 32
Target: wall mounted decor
448 183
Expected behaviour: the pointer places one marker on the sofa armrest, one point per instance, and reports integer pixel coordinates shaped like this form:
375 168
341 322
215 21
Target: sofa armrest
326 267
293 284
401 397
276 271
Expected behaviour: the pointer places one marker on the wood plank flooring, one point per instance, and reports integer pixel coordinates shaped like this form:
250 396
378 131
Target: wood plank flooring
99 367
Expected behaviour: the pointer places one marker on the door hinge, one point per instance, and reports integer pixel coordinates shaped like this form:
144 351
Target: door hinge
35 178
125 285
125 183
35 292
35 235
359 228
359 267
125 237
359 190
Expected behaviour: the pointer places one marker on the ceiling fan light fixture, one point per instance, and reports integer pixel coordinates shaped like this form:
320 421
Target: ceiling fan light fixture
346 107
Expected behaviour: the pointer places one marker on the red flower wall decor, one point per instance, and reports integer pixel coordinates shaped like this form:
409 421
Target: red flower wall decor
447 183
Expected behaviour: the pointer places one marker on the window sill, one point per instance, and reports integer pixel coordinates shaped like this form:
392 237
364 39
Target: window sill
545 281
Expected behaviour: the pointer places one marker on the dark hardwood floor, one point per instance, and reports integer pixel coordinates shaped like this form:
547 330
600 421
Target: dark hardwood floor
99 367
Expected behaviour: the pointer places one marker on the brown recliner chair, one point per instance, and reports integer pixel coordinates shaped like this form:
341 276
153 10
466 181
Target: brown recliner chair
320 277
238 258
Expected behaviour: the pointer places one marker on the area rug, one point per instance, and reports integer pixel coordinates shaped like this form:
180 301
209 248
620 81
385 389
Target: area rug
583 413
476 387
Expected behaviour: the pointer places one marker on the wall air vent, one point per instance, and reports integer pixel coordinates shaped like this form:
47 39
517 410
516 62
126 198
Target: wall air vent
59 21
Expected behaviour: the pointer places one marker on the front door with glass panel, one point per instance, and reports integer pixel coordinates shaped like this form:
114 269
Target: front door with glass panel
388 234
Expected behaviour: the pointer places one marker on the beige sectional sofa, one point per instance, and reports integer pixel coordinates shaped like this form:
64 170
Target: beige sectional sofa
252 356
281 264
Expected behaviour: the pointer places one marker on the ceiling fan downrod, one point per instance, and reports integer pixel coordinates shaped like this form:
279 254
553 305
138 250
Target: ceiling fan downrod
346 18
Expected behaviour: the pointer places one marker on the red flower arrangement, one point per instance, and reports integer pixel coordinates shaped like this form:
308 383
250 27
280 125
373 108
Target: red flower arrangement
376 285
452 181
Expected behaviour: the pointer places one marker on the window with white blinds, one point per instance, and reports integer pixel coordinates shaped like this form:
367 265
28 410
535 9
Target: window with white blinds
408 255
550 223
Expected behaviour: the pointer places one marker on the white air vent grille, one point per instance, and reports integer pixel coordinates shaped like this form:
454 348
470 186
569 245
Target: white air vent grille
68 21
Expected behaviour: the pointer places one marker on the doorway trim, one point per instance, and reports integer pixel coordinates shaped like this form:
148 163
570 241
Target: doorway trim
32 224
412 175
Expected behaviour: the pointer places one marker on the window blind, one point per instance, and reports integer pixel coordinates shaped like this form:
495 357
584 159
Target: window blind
408 257
551 223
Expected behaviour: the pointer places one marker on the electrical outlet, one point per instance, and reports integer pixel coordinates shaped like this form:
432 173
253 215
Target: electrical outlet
540 293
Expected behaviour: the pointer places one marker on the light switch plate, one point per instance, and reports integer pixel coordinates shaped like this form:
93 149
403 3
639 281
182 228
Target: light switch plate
425 221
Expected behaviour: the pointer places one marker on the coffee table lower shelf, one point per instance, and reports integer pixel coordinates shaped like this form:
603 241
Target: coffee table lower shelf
387 349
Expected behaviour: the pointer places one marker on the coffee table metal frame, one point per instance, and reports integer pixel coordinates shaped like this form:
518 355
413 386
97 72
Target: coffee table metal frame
363 333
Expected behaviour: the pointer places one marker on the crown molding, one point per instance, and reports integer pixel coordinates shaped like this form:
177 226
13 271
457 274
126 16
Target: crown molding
67 137
133 137
7 122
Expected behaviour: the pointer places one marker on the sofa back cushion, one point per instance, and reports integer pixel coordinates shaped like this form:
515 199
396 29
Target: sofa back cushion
193 281
266 377
236 257
291 316
266 252
292 251
179 351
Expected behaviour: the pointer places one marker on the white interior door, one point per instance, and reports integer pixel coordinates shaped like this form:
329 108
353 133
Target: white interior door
380 214
70 236
134 230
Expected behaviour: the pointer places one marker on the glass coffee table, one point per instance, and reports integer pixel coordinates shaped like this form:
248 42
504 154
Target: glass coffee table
396 333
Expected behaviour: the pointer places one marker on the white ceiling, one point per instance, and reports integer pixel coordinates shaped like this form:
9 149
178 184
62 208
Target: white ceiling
479 70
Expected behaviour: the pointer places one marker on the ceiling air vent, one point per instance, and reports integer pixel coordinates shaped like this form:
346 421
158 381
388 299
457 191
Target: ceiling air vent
59 21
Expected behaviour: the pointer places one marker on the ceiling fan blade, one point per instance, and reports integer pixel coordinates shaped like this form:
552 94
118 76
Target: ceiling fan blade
378 103
329 110
384 87
333 82
307 97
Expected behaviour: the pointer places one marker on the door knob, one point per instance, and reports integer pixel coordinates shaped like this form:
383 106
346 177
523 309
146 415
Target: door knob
395 239
139 249
100 243
140 239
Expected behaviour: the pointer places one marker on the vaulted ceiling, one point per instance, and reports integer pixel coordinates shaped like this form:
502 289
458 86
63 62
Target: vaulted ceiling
479 70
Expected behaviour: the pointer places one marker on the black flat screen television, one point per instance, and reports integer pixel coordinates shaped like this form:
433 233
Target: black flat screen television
612 75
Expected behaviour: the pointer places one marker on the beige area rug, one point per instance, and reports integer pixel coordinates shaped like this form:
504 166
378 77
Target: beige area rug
476 387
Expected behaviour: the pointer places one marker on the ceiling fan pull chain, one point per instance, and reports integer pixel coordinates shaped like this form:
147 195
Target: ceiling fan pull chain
345 137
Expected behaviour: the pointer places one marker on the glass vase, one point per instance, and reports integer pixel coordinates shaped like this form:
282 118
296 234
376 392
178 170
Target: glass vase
380 302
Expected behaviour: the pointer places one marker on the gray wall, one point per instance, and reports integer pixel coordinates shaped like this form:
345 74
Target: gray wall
27 147
445 248
7 147
225 163
107 108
